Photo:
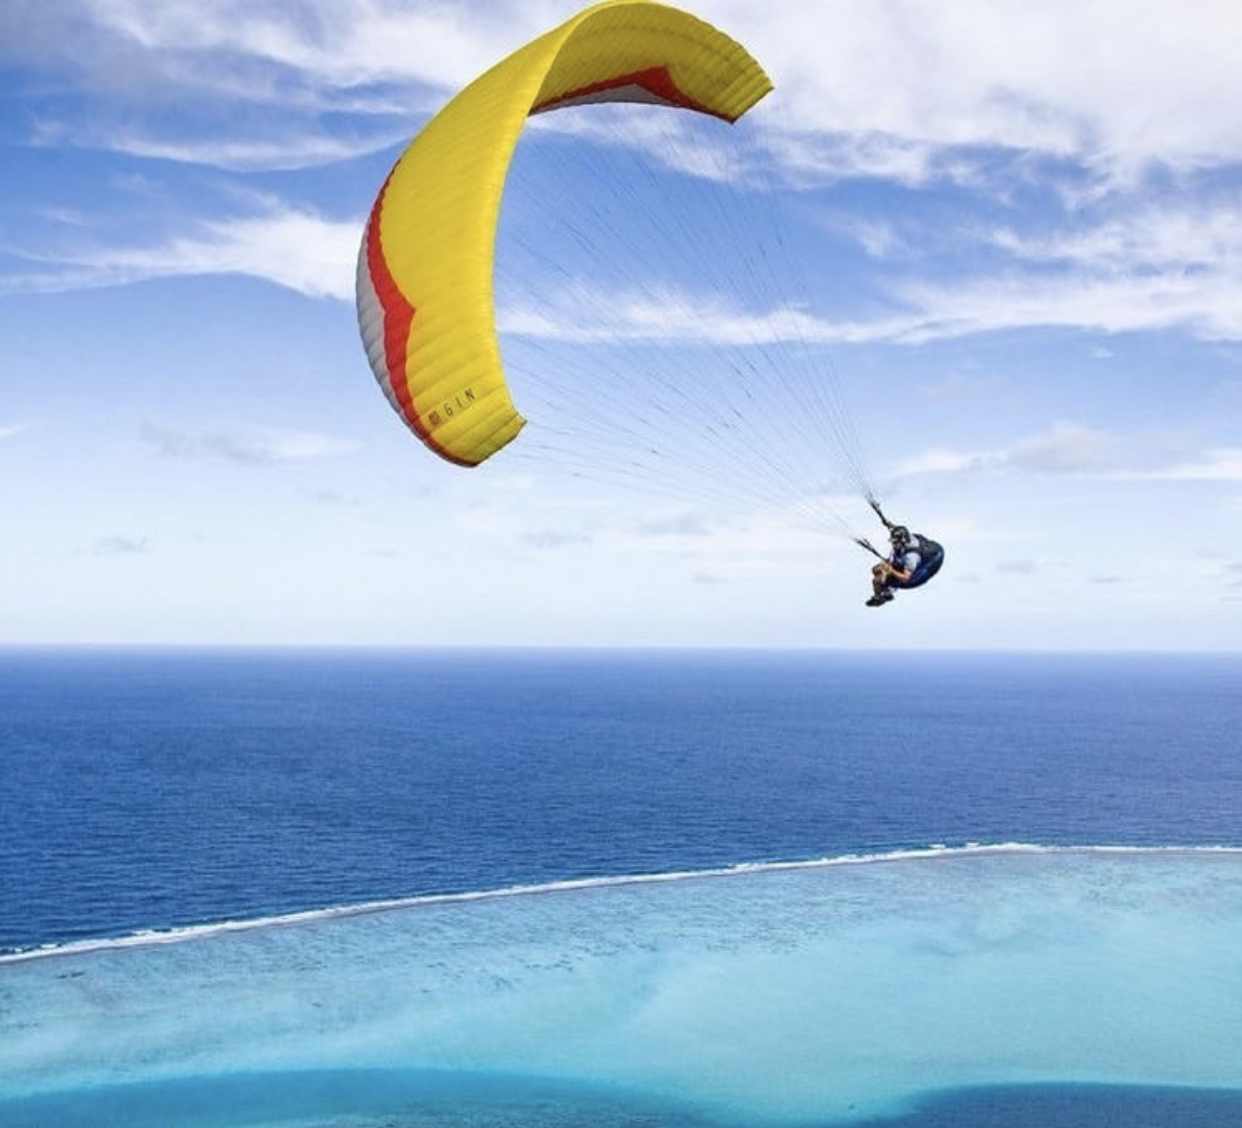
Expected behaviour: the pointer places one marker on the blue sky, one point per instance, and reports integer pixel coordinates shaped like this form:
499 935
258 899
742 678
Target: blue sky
1018 234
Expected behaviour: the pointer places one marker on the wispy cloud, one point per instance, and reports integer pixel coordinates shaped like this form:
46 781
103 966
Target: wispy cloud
1204 306
1074 449
1177 266
903 89
879 239
685 525
1066 448
1155 267
231 84
961 78
293 247
9 430
676 142
1150 237
121 546
283 150
665 313
258 449
333 497
1147 271
344 44
959 386
555 538
310 253
1220 465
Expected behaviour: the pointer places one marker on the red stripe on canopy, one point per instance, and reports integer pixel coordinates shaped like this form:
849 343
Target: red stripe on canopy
398 320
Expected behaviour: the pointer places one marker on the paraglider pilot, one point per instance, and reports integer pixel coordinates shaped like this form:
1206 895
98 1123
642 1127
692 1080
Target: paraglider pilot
913 561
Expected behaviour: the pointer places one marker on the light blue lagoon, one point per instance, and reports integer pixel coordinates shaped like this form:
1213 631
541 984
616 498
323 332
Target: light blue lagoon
826 993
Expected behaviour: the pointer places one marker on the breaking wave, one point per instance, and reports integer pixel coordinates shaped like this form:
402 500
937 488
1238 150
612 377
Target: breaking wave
185 933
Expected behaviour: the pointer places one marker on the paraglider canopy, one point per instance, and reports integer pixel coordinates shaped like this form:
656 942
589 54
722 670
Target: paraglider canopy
424 289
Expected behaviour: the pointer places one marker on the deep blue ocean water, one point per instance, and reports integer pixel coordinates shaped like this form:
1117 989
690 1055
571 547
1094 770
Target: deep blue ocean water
157 788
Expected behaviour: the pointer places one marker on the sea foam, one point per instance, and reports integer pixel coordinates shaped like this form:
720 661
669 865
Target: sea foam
143 937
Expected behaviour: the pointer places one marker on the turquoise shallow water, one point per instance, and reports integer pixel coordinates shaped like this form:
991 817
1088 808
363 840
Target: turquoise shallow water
939 990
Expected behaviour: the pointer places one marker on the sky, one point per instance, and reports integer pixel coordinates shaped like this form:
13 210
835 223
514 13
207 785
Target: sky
1013 248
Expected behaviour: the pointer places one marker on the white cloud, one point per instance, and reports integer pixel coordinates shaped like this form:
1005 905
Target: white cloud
896 88
9 430
940 460
1096 82
1144 269
880 240
1171 237
344 44
243 85
290 149
674 141
1135 302
809 157
960 385
256 448
120 546
1066 448
903 89
226 84
1074 449
1148 268
684 525
315 255
584 313
1221 465
295 248
555 538
928 311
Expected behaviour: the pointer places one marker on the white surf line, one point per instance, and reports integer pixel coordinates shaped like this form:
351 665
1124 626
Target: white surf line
181 934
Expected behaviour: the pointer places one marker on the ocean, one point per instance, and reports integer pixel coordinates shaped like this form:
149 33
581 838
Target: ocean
538 888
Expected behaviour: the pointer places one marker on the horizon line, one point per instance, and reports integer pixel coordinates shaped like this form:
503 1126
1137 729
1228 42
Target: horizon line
602 648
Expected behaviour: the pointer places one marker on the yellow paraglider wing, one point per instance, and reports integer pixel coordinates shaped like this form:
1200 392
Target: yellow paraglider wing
425 303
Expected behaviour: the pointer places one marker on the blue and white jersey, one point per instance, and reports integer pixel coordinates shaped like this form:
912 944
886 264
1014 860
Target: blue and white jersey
920 560
909 559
